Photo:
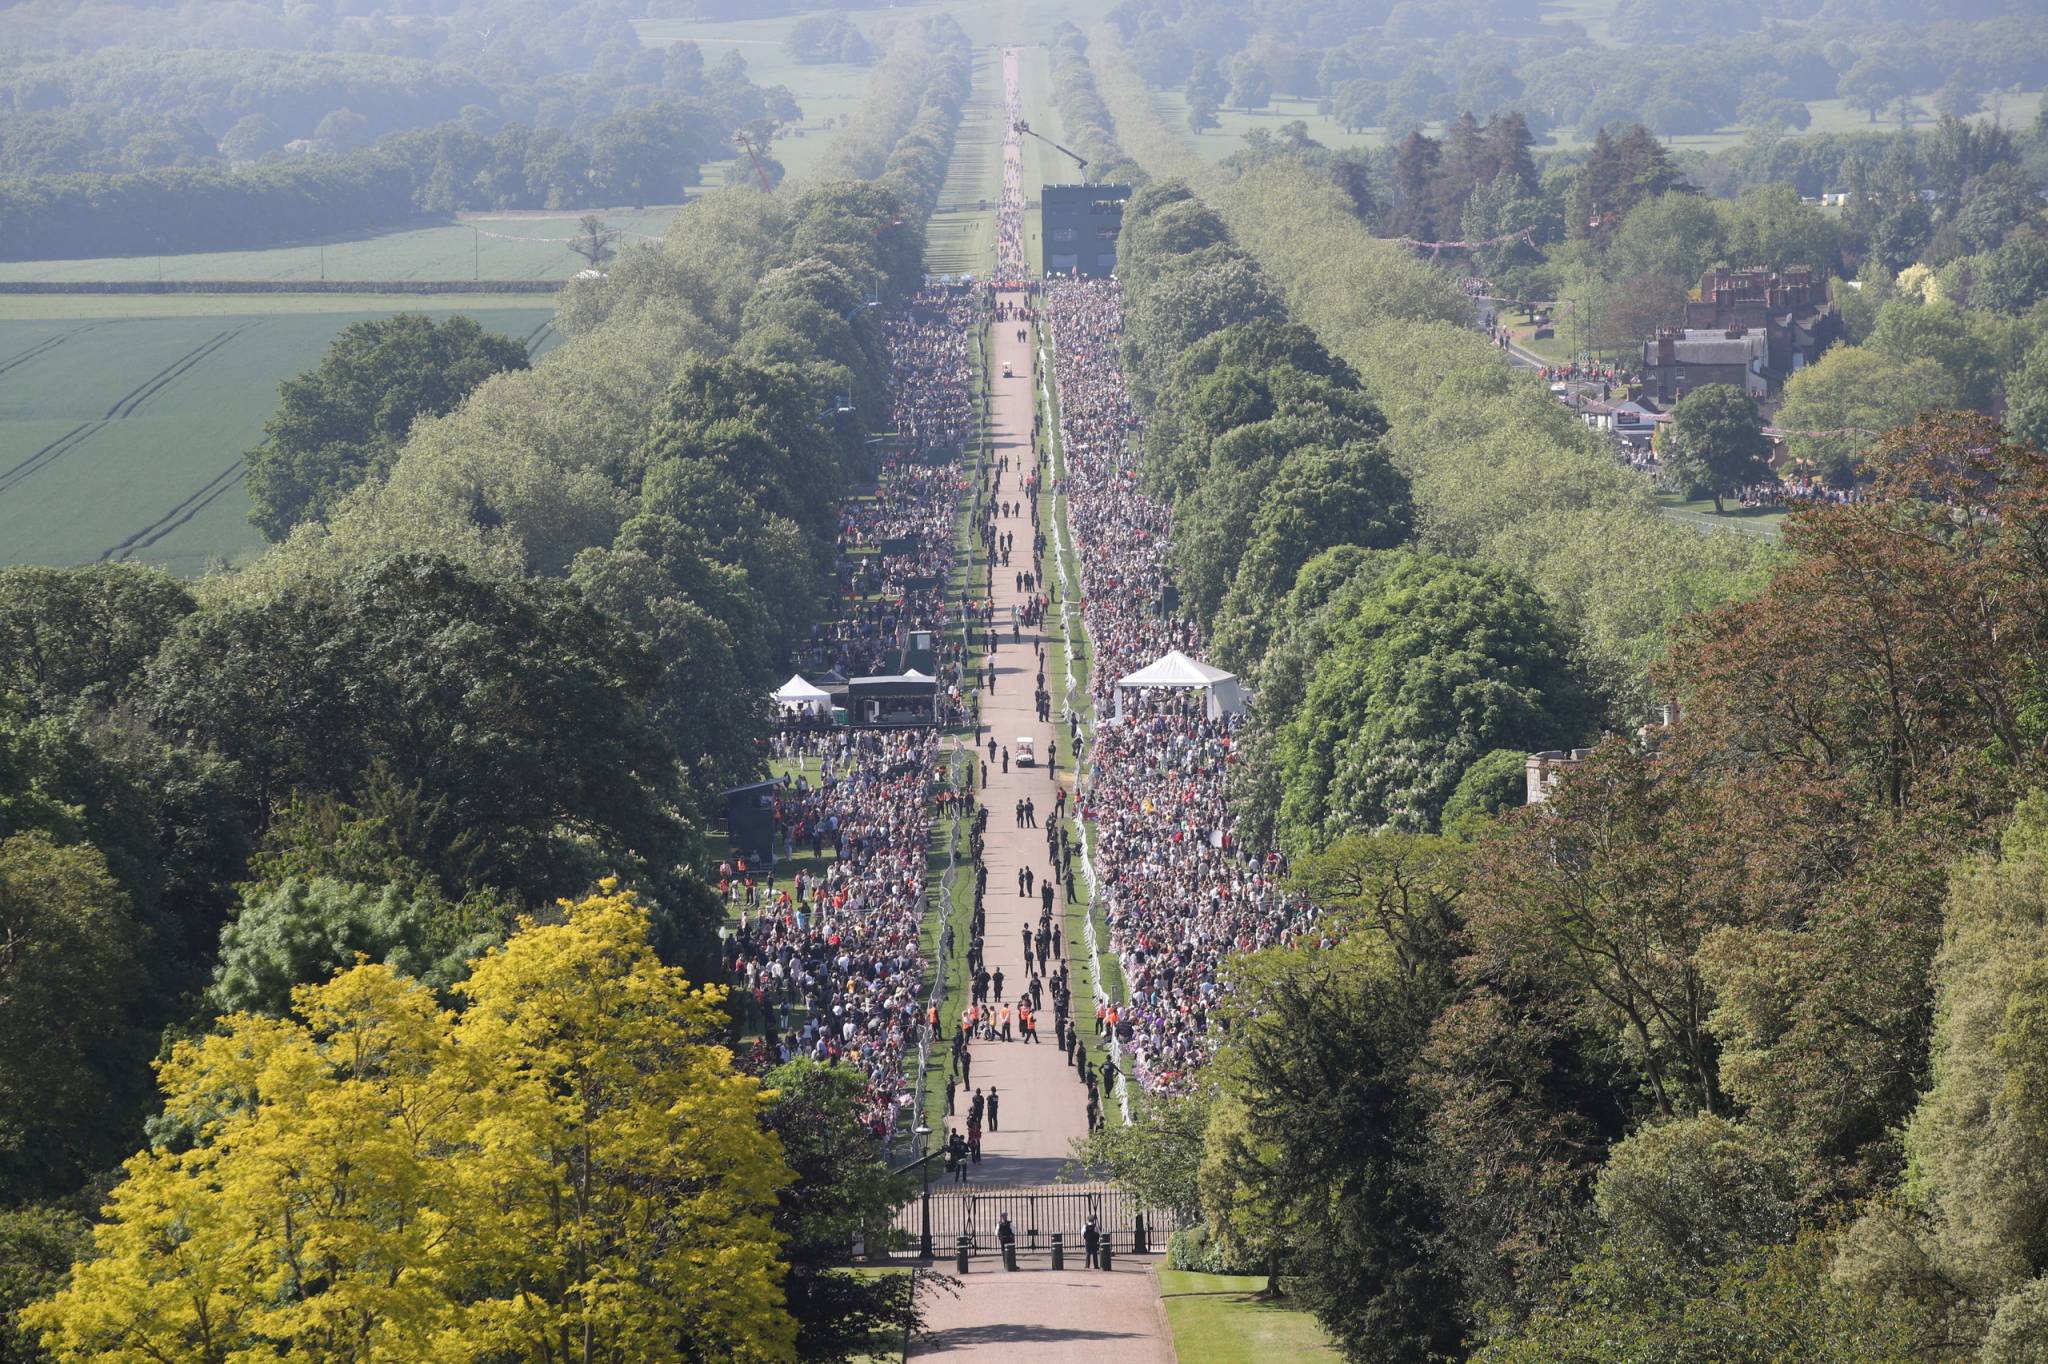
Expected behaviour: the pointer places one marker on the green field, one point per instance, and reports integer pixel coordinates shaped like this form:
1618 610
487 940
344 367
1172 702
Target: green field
121 437
825 91
478 246
1749 520
1217 1319
960 239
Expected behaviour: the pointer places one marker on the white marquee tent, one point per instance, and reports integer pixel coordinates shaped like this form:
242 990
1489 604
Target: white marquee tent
1177 672
801 697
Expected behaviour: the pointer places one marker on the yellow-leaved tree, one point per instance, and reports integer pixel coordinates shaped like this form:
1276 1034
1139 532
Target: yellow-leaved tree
567 1170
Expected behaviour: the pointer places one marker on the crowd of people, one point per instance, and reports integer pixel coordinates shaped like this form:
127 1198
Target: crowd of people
1178 893
827 963
931 368
1013 269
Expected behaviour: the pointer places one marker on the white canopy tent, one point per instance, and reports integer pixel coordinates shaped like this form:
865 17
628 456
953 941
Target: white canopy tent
797 695
1177 672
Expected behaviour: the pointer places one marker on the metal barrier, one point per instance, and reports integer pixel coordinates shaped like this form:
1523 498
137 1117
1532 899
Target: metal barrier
1036 1213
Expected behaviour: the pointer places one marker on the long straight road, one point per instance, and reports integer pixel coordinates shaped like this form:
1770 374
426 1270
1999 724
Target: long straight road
1075 1315
1043 1105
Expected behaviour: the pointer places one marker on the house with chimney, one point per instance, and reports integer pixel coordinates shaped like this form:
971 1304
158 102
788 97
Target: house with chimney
1751 328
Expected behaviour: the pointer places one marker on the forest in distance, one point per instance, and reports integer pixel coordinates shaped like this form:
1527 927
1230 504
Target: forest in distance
1606 445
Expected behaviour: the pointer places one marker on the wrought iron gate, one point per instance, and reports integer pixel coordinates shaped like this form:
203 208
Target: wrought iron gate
1036 1212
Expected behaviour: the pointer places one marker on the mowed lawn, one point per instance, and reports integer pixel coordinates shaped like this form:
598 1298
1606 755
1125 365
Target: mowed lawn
479 246
1217 1319
122 437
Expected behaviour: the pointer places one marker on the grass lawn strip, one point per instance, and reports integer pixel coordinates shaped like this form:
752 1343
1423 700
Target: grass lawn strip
1219 1319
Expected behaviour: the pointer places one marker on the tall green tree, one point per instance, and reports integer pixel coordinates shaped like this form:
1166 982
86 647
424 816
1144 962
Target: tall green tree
1716 443
514 709
1836 409
1330 1160
1437 665
1318 498
843 1192
82 635
70 953
341 423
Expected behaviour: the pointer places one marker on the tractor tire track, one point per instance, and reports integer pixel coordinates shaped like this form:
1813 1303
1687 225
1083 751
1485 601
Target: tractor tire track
177 369
42 458
209 492
41 348
217 336
124 407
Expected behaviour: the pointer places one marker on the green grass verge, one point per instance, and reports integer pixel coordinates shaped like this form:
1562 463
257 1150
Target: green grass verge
961 238
957 908
1064 645
1218 1319
1747 520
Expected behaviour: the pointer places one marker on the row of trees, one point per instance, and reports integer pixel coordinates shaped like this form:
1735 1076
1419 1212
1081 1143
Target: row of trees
127 109
565 36
356 758
1293 535
648 155
911 85
1083 117
1635 1073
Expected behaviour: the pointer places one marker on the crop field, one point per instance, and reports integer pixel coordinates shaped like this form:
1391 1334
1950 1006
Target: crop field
477 246
121 437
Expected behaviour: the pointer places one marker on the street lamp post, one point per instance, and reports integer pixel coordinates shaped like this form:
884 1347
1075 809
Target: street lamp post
924 1240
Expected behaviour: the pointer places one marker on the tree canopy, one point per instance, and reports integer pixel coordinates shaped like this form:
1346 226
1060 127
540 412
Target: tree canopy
603 1159
341 422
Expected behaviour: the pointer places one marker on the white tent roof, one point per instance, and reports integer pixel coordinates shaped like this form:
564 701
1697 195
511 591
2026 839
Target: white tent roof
1175 670
797 690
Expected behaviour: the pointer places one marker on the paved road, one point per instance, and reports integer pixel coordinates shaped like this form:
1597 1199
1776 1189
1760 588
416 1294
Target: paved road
1073 1316
1043 1109
1036 1315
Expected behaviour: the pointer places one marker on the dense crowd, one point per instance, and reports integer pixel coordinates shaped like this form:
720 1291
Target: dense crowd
1012 270
931 370
827 963
1179 894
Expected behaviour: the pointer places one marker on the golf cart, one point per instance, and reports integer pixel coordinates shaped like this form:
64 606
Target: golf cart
1024 755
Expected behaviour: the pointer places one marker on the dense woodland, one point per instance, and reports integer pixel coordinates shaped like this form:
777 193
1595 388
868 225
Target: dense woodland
511 660
253 192
1722 1051
127 130
1677 68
